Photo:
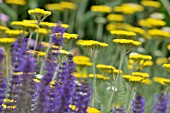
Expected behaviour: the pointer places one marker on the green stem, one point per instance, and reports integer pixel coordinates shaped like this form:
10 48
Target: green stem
133 93
129 98
43 62
117 79
94 81
37 35
66 12
29 39
166 90
99 31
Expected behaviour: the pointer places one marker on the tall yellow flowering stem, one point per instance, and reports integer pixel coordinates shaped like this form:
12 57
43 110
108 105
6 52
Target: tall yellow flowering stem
116 85
29 39
37 35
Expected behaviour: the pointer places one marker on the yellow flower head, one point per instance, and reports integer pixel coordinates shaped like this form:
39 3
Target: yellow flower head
73 107
39 14
160 61
81 58
101 8
149 3
128 8
24 25
49 25
14 33
116 71
135 29
147 81
16 2
158 33
82 63
3 28
54 6
140 74
79 75
115 17
67 5
167 66
70 36
7 40
126 45
92 47
122 33
116 26
30 21
160 80
99 76
138 57
155 22
42 31
133 79
144 23
108 69
92 110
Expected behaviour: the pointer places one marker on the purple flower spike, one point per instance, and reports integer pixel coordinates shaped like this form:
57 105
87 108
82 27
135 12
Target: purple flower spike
161 103
2 81
138 104
118 110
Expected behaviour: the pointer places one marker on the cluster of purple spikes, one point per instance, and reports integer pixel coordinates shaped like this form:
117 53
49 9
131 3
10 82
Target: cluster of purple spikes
54 93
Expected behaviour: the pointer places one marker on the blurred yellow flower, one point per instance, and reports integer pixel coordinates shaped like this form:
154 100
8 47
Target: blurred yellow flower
54 6
67 5
160 61
7 40
108 69
92 110
140 74
123 33
150 3
101 8
115 17
17 2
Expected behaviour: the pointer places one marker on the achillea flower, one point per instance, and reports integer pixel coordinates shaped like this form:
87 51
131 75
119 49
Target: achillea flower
68 5
154 4
23 25
54 6
92 110
157 33
99 76
118 110
122 33
39 14
93 47
16 2
167 67
82 61
161 103
3 29
49 25
126 45
140 74
138 104
128 8
14 33
115 17
7 40
160 80
101 8
160 61
108 69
